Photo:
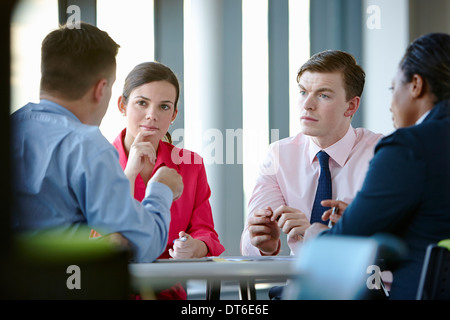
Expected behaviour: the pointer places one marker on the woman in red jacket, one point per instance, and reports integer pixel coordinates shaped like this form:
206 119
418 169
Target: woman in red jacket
149 101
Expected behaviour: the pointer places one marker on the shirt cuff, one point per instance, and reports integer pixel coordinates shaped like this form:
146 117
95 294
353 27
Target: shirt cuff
273 254
159 189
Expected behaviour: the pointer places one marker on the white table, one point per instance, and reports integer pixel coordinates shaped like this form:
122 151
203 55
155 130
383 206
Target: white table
164 273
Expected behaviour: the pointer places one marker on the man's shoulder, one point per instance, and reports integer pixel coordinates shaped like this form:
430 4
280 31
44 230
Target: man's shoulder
367 136
292 141
39 125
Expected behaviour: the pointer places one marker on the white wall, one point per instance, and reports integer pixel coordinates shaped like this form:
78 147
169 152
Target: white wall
385 38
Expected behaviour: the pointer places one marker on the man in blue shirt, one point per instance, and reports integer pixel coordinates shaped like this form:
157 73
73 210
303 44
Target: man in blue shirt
65 173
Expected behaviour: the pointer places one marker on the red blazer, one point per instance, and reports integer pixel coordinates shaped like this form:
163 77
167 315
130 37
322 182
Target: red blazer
192 211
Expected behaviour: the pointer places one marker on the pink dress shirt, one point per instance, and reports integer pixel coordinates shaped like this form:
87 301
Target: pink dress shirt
290 173
192 211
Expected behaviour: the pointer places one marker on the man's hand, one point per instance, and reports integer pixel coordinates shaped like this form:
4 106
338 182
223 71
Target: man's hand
291 221
264 233
170 178
117 240
314 230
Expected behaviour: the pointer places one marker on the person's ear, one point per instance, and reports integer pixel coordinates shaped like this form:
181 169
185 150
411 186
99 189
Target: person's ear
99 90
174 116
417 86
122 106
353 105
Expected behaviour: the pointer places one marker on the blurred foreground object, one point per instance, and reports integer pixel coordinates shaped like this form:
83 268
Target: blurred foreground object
343 268
65 265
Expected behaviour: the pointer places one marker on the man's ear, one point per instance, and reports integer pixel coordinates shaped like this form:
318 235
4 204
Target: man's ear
353 105
99 90
417 86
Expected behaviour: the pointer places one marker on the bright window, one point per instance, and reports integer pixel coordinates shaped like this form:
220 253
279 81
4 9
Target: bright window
130 24
299 52
255 82
31 21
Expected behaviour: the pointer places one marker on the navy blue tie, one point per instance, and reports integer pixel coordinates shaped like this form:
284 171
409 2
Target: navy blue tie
323 188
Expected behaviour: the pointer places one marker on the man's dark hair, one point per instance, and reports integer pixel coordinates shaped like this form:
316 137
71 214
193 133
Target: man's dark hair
74 59
338 61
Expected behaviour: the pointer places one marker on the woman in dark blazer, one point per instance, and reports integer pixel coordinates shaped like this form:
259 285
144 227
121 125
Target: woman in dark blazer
406 191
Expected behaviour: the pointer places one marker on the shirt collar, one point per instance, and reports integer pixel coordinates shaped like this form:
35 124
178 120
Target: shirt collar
163 155
339 151
57 108
422 117
118 143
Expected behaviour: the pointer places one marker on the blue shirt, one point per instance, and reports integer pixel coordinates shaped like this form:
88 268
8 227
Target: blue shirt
66 174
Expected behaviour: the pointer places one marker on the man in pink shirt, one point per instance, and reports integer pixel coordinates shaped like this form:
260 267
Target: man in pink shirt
330 85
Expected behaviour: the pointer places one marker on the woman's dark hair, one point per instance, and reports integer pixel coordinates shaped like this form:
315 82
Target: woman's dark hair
429 57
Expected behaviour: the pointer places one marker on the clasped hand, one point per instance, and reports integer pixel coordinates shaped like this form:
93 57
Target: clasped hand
265 225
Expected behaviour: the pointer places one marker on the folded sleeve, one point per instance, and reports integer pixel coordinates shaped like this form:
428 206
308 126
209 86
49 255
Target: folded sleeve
103 192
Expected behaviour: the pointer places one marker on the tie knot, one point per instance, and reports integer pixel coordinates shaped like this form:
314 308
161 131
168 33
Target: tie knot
323 159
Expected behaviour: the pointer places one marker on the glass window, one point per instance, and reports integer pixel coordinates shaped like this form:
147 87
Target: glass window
299 52
130 24
255 82
31 21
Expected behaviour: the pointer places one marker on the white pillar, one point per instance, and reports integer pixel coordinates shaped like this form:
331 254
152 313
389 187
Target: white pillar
213 105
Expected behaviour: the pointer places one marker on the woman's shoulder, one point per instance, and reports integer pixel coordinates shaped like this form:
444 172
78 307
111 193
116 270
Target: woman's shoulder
182 156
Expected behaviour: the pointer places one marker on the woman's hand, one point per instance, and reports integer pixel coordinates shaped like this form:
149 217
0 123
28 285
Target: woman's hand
140 152
334 217
191 248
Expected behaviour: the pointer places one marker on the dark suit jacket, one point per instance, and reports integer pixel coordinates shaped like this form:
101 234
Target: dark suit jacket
407 193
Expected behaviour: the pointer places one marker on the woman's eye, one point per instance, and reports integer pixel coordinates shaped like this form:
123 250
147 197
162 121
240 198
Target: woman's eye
165 107
141 103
